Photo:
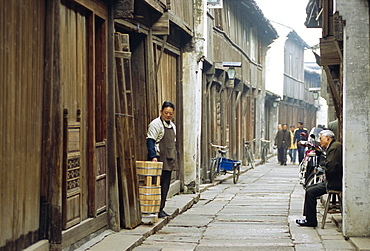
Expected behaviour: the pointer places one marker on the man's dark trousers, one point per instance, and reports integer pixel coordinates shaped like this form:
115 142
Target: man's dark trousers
282 152
300 153
165 186
310 201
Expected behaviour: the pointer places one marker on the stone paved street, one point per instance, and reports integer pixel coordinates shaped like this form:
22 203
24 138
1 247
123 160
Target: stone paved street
257 213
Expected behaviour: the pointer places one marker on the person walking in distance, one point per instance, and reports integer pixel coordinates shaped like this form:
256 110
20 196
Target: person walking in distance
300 135
161 144
293 146
279 129
282 141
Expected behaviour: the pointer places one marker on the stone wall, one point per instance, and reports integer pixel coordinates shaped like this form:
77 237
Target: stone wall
356 103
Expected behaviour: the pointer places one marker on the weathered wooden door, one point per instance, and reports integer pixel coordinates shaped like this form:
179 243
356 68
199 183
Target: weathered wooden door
167 69
83 74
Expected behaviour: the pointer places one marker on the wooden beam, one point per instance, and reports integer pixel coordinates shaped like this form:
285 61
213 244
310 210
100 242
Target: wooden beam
56 150
151 80
122 54
91 116
330 53
47 123
160 55
162 26
339 51
156 5
181 24
112 186
128 25
336 97
99 7
237 99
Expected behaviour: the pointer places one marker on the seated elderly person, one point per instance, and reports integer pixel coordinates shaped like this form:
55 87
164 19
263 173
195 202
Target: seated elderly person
333 173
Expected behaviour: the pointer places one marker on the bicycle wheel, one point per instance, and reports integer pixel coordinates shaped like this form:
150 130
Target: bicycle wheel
251 159
236 174
214 170
313 179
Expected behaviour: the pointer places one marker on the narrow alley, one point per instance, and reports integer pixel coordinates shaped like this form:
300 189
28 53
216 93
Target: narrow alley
257 213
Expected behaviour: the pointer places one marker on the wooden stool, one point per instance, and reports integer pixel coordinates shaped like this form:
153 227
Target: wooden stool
329 205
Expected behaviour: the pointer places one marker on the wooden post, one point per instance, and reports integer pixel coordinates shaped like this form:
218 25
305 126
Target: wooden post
113 195
56 143
151 78
47 123
91 137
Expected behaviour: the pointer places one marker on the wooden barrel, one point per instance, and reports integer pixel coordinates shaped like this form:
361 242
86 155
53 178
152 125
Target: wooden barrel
149 175
150 193
150 206
149 168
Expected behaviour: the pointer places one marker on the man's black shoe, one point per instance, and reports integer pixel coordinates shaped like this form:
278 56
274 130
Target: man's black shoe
304 223
162 214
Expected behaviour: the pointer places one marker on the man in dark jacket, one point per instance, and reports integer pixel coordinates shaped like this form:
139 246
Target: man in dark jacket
282 141
333 172
298 136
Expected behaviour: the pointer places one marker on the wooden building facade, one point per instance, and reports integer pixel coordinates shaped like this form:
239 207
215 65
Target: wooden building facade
288 99
56 97
158 32
80 82
233 106
298 103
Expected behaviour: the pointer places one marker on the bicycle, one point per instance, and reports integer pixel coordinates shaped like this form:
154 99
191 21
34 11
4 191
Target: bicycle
311 169
248 153
220 164
264 150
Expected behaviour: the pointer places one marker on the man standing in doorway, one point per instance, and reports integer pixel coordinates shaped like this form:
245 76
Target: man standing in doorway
161 144
300 134
282 141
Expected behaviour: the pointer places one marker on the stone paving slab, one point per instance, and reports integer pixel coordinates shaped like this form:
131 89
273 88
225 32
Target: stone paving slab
188 220
185 231
337 245
309 247
166 246
251 218
361 243
244 248
175 238
248 242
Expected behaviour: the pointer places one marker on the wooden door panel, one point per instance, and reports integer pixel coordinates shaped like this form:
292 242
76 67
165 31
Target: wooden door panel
71 190
101 178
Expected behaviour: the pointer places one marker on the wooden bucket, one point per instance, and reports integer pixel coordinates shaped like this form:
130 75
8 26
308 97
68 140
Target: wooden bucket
149 193
149 168
150 206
